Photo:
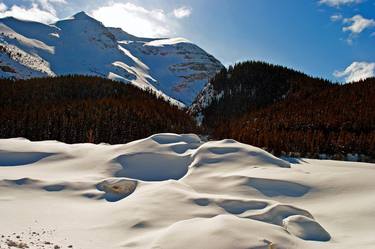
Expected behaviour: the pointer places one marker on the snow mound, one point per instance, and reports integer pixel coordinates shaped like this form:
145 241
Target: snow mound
212 233
170 161
305 228
176 191
229 150
275 214
175 138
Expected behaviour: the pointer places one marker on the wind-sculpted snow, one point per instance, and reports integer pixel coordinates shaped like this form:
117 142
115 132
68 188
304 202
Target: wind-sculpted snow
10 158
176 191
306 228
174 68
153 166
272 188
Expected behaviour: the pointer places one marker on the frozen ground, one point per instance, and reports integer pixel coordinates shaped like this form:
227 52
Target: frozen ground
174 191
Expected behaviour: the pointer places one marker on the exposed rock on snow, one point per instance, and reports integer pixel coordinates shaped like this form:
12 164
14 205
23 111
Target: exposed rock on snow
175 191
117 189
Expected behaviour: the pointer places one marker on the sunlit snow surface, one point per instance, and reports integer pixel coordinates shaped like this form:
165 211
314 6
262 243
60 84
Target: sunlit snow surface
175 191
175 68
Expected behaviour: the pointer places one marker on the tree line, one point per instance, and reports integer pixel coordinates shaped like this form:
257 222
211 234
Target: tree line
77 109
290 113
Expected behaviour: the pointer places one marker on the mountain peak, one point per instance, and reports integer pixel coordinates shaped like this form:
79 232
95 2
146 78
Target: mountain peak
177 73
82 16
77 18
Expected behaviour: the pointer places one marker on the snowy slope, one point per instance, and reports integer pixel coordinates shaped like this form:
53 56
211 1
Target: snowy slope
175 191
80 44
203 100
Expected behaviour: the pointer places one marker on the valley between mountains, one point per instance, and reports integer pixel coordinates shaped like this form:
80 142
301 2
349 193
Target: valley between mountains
109 141
65 65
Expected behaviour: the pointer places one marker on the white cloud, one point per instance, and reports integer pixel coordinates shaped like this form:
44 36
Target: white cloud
357 24
48 5
33 13
135 19
357 71
38 10
182 12
338 3
336 17
58 1
3 7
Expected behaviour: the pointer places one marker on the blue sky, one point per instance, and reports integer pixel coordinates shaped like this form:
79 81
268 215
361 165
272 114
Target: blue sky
333 39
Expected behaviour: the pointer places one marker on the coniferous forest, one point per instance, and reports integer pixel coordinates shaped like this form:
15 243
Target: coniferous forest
76 109
281 110
290 113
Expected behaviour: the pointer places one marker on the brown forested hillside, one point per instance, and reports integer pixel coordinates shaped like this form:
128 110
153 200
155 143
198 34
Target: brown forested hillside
76 109
288 112
337 120
252 85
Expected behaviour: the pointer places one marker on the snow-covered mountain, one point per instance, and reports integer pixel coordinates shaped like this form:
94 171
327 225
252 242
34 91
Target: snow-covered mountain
175 68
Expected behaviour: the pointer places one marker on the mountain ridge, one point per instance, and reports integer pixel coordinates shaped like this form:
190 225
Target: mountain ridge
175 69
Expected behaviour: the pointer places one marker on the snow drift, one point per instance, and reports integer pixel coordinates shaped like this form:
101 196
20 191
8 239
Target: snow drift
175 191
